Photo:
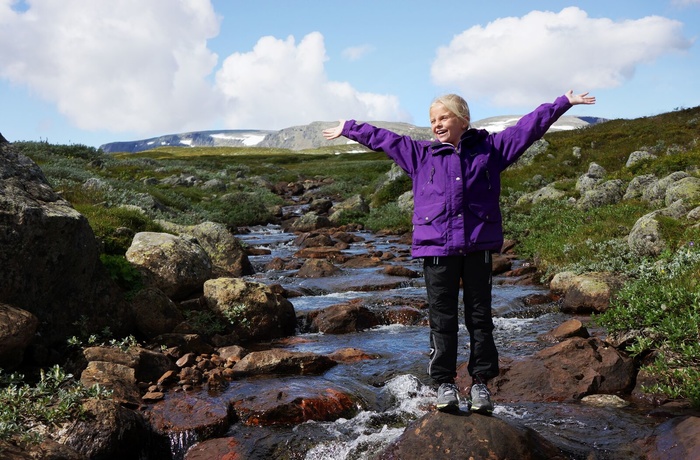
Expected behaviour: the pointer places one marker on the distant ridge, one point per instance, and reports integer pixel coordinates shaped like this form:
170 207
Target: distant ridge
309 136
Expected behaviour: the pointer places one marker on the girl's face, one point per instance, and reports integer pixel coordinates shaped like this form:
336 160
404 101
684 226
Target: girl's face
446 126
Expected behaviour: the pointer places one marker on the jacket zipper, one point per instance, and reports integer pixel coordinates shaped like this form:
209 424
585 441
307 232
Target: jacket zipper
430 181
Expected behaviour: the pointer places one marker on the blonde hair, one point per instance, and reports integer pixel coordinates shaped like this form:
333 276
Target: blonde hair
455 104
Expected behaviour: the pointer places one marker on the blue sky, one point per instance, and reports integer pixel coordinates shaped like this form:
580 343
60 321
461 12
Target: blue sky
91 72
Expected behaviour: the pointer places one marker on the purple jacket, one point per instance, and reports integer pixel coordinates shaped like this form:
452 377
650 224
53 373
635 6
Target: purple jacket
456 191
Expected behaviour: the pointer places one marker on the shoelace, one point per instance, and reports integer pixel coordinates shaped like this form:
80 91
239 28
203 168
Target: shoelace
482 391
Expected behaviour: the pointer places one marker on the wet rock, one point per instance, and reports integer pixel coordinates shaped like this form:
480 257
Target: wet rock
676 438
255 311
277 361
363 261
397 270
566 330
17 329
233 353
572 369
402 315
328 253
177 266
317 268
294 405
343 319
351 355
217 449
313 240
183 412
469 436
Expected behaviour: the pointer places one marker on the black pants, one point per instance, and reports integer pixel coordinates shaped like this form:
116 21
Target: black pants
442 278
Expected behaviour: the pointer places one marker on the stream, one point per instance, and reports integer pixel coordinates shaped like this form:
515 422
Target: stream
391 388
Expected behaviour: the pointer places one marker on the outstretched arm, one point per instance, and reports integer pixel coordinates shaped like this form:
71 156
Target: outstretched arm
582 98
335 132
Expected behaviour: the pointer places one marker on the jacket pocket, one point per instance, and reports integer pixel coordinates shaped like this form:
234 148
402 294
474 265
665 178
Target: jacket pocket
429 225
486 212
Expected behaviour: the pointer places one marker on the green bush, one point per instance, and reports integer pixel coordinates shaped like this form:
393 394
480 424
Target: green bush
105 223
56 398
123 272
389 218
662 304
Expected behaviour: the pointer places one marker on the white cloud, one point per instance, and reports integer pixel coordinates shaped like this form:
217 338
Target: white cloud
120 65
281 83
550 53
145 67
354 53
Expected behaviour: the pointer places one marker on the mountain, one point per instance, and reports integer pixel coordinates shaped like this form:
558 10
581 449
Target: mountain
309 136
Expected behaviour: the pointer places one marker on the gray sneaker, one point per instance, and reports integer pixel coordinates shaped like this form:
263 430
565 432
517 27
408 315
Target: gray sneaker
481 399
448 397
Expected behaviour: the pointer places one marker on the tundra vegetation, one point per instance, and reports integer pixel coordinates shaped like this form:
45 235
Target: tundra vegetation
657 309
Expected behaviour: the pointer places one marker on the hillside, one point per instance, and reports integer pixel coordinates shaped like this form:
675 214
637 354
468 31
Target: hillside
309 136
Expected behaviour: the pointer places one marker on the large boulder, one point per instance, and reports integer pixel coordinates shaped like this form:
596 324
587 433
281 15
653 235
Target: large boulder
655 193
254 310
569 370
686 189
177 266
17 329
605 193
108 430
49 258
591 179
469 436
227 254
637 186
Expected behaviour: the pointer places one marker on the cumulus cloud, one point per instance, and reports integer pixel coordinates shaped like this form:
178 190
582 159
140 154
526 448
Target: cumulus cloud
281 83
551 53
145 67
119 65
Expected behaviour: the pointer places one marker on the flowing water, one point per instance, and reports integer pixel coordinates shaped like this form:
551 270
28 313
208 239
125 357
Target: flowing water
390 390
